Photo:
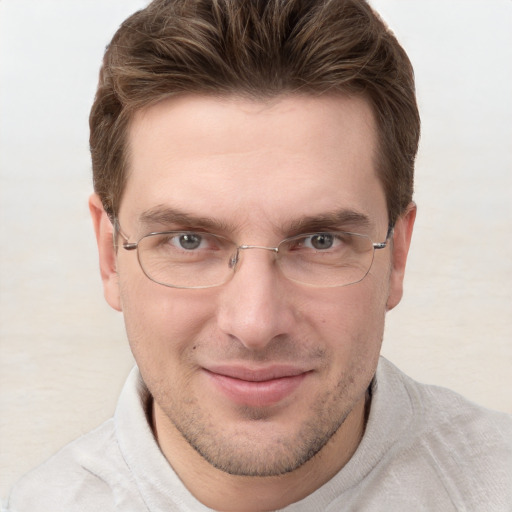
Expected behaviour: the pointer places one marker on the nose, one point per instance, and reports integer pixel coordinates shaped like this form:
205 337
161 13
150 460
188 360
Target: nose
255 307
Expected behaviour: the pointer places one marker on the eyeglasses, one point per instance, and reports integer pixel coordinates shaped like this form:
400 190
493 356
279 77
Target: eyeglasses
189 259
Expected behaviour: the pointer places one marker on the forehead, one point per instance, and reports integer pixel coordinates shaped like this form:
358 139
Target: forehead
246 162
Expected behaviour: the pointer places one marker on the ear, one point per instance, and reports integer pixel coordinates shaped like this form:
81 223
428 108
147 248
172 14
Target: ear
400 248
107 252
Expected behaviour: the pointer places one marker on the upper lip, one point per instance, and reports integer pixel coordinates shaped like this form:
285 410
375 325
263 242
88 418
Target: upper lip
255 374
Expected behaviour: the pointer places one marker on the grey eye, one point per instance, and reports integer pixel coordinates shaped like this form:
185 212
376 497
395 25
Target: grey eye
322 241
190 241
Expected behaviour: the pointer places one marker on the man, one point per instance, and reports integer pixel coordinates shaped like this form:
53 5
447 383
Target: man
253 170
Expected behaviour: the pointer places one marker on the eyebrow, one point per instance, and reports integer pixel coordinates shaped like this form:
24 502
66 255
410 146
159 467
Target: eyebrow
342 219
166 216
336 220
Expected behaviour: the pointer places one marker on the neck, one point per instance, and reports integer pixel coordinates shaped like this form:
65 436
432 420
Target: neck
221 491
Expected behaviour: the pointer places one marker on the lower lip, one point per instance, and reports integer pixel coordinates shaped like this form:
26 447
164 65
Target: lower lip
257 394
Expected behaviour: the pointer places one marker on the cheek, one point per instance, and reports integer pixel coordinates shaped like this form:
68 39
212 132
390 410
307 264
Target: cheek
360 304
162 323
350 319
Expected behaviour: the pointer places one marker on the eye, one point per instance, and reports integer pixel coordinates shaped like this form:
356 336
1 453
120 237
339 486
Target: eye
320 241
187 241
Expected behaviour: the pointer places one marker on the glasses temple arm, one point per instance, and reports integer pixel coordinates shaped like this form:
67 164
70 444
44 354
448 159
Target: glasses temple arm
118 231
389 235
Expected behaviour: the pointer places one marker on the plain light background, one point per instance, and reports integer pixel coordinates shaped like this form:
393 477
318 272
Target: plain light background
63 353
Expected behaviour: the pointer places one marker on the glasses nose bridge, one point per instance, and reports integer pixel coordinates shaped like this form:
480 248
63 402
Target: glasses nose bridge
233 262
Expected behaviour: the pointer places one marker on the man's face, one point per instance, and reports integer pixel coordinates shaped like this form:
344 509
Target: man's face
259 373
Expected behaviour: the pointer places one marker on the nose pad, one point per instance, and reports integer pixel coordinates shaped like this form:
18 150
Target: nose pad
233 261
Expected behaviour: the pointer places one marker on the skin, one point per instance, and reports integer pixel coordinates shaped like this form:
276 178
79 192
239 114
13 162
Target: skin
254 169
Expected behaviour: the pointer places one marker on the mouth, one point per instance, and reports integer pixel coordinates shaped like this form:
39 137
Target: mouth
262 387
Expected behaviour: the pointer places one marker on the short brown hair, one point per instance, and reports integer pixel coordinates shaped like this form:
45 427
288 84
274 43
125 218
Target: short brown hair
259 49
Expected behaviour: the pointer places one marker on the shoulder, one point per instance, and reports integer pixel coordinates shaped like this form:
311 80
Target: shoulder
449 415
84 475
465 447
435 406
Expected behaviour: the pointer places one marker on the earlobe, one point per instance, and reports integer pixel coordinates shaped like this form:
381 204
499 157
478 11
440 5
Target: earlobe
400 249
106 250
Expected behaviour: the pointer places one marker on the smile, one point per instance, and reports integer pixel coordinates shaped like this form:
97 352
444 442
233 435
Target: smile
256 388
